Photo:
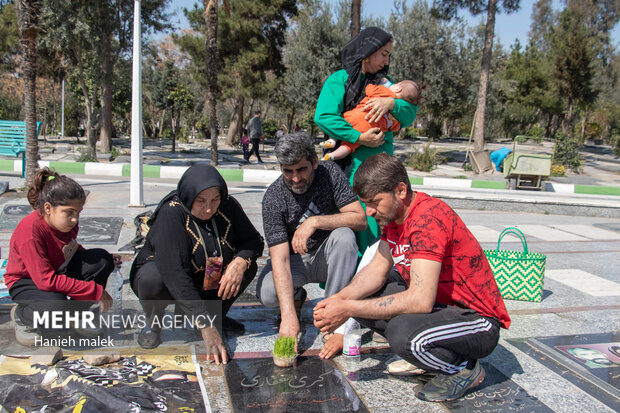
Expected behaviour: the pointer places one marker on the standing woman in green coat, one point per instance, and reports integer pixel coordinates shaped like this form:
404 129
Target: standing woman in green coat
365 60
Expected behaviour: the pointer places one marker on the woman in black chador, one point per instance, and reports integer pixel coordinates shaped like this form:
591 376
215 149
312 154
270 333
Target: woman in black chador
200 247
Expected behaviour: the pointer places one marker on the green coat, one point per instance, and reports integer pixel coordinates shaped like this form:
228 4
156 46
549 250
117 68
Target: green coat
328 116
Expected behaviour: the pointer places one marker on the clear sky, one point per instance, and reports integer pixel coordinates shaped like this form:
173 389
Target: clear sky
508 27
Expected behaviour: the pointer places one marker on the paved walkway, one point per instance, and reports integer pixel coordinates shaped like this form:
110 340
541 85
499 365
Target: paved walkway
529 370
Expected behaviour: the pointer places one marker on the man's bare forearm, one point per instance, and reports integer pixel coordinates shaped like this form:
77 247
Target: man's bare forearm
283 281
419 298
353 220
387 307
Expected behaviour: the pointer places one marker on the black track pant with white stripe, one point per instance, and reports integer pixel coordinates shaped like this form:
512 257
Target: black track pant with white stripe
444 340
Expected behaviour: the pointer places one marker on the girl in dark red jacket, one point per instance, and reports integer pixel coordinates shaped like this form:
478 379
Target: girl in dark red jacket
46 265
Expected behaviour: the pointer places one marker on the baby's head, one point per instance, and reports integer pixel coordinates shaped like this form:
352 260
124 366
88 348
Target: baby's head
407 90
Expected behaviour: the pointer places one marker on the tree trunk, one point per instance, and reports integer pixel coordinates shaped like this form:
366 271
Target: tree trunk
489 32
106 92
568 119
212 70
28 20
356 8
236 124
91 139
160 123
173 129
291 118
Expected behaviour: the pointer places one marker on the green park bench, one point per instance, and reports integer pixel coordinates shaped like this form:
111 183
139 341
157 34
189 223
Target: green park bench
13 140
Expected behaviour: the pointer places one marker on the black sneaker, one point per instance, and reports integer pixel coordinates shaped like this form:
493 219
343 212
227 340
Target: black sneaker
232 325
444 387
148 338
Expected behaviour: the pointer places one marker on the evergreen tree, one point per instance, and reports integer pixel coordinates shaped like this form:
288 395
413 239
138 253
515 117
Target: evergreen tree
543 20
438 59
313 48
250 42
9 38
573 57
448 9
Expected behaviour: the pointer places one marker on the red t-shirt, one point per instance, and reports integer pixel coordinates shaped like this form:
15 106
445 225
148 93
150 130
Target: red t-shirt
35 252
433 231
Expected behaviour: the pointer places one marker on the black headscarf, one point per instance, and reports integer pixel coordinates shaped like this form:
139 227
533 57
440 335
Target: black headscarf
195 180
360 47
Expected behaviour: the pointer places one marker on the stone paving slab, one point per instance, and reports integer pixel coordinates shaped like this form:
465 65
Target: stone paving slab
564 310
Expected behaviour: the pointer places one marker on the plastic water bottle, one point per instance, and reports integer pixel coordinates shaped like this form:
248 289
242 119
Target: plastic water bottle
352 342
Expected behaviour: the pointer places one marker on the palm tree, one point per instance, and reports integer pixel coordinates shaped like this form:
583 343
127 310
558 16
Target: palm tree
28 21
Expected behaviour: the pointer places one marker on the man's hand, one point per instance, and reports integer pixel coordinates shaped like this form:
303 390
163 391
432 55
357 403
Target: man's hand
230 283
372 138
331 313
377 107
332 346
105 302
301 235
289 327
214 345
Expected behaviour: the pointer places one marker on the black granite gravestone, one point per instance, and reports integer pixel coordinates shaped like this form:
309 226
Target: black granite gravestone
100 230
16 210
313 385
93 230
590 361
497 393
12 214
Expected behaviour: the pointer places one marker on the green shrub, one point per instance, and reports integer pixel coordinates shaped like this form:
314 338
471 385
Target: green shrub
270 127
284 347
411 132
114 152
566 151
615 144
424 160
536 131
433 130
592 131
203 128
85 157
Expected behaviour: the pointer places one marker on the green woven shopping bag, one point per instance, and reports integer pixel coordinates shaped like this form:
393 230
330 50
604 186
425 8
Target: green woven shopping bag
519 275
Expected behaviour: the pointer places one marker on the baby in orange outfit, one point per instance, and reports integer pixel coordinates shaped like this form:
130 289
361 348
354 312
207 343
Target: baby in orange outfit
407 90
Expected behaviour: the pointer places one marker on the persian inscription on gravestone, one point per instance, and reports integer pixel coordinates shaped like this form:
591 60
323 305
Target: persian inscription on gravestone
16 210
100 230
497 393
313 385
11 215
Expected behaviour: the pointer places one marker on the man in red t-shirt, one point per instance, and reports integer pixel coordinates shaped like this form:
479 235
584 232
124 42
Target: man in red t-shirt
429 289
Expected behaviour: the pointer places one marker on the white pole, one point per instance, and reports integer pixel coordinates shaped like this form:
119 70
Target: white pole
62 110
136 190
